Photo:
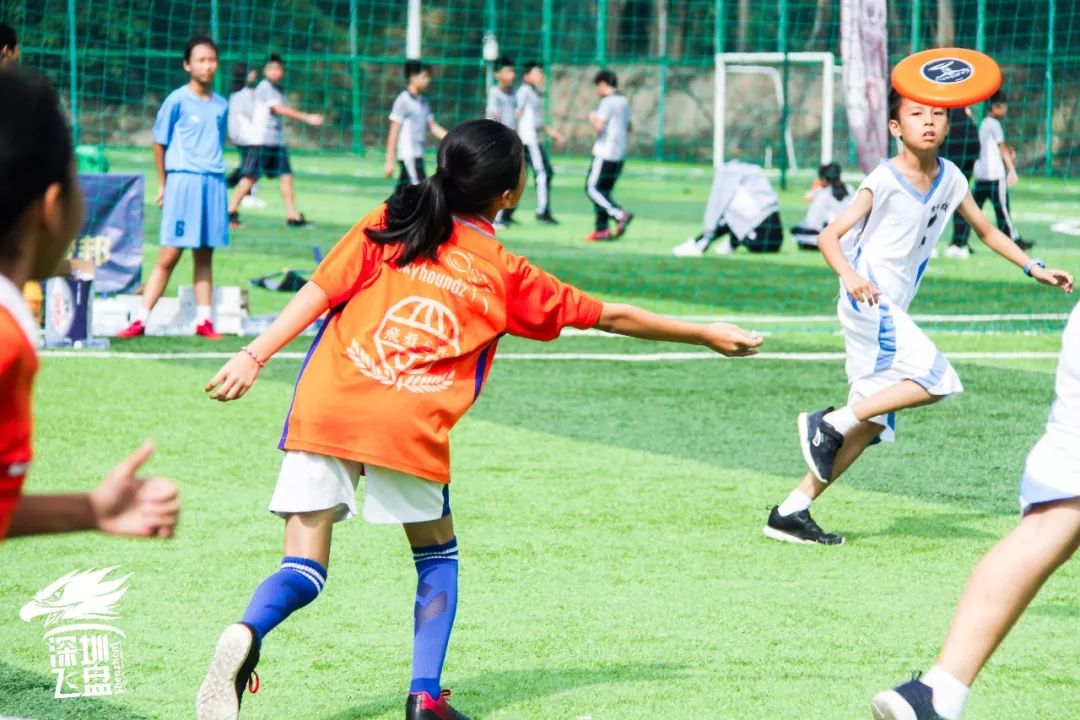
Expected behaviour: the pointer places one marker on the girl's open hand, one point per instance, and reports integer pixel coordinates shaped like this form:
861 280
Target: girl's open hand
1053 278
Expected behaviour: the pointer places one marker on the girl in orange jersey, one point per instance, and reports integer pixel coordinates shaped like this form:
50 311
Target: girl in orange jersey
418 293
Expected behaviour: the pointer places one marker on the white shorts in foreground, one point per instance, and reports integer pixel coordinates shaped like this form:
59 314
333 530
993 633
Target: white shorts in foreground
309 482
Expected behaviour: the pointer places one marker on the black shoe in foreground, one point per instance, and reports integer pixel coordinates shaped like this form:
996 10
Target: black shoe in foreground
910 701
299 221
232 668
546 219
798 528
421 706
820 442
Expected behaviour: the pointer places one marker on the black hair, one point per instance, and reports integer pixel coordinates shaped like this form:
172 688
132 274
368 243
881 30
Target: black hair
239 77
275 58
35 147
8 38
606 76
998 98
415 67
478 161
830 173
531 65
504 61
194 42
894 104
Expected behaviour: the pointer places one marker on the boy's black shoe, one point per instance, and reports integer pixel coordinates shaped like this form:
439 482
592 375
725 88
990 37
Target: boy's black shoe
1025 245
421 706
798 528
546 218
299 221
232 668
910 701
820 442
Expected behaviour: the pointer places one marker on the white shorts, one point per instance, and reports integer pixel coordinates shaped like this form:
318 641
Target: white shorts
309 482
1052 471
884 347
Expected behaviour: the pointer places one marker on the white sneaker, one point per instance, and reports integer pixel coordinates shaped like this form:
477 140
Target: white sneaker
252 202
956 252
723 247
693 247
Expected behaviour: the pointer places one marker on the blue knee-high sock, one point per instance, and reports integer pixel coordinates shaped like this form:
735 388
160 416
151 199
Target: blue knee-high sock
436 604
294 585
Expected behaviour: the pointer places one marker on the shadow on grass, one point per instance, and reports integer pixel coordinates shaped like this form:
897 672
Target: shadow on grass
938 526
485 694
30 695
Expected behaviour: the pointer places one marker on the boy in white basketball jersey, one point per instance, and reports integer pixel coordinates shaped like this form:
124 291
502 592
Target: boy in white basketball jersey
880 247
531 129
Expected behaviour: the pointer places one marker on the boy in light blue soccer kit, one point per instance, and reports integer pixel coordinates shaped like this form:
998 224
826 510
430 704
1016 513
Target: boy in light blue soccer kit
189 138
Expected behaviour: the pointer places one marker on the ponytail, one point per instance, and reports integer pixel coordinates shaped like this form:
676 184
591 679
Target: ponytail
830 173
418 217
479 160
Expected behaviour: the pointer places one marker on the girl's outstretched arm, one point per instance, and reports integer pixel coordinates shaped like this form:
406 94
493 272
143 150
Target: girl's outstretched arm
238 374
630 320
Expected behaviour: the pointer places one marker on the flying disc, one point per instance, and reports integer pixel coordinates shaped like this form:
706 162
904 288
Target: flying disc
947 77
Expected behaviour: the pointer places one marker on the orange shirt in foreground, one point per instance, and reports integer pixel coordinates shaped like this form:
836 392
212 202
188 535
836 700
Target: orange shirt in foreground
18 365
405 351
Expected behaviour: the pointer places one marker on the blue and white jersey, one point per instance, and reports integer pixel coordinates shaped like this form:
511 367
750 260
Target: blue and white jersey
193 131
501 106
893 243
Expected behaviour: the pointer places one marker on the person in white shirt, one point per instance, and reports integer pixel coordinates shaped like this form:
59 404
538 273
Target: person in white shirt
241 131
611 120
410 121
995 173
531 129
828 198
502 108
742 209
880 247
1009 576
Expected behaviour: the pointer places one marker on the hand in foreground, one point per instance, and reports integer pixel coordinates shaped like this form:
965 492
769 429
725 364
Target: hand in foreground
127 504
731 340
235 378
1053 278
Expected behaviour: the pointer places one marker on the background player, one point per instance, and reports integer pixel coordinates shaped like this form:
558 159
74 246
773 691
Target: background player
40 212
827 200
189 140
891 364
502 107
531 128
410 121
422 291
611 121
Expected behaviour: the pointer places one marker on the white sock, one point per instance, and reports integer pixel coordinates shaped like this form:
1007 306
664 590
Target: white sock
950 695
142 314
843 420
202 314
796 502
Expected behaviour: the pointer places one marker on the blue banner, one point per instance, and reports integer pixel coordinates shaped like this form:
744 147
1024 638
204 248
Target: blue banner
112 233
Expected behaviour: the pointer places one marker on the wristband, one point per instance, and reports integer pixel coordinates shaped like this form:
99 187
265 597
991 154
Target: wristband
254 357
1032 263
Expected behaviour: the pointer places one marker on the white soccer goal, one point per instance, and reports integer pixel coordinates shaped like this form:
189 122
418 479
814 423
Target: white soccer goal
766 63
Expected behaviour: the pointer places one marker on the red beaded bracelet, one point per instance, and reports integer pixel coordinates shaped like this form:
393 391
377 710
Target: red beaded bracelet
252 355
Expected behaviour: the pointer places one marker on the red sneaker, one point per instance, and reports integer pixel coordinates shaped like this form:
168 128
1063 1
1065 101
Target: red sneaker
421 706
599 236
206 330
135 329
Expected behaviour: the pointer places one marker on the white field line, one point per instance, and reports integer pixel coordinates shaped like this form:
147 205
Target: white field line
602 357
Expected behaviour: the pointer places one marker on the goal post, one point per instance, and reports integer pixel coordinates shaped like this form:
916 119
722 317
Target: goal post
764 63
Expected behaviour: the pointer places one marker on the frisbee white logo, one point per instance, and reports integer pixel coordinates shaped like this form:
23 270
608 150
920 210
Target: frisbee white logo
947 71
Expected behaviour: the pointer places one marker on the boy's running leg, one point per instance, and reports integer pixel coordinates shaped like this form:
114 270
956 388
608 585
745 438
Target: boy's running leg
435 553
1000 588
298 581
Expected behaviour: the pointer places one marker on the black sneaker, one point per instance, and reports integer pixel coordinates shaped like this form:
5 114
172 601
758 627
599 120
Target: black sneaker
910 701
820 442
421 706
798 528
1025 245
232 668
299 221
546 218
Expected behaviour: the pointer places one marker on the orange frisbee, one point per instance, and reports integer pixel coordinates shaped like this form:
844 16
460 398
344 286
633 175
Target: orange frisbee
947 77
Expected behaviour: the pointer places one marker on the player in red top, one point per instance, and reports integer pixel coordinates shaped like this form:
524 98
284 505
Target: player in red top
418 293
40 212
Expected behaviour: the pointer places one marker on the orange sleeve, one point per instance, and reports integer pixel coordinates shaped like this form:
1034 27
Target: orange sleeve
539 306
350 265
